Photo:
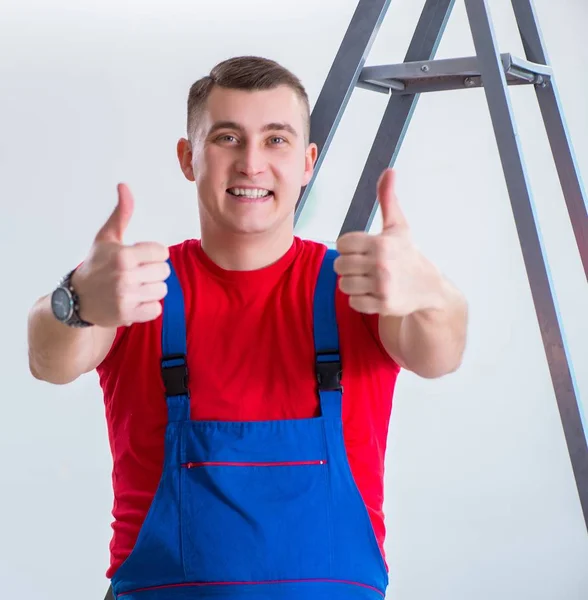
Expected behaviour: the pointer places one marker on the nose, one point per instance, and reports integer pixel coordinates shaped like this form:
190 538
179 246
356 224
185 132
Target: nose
252 161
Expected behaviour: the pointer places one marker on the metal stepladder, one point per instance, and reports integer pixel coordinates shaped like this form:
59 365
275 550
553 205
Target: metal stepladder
420 73
495 72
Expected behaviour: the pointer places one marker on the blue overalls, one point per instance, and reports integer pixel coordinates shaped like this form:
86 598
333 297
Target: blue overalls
255 510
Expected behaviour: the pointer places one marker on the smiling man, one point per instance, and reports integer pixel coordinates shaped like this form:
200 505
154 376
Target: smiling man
248 376
249 155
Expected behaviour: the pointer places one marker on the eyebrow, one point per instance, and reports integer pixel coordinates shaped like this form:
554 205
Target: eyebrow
268 127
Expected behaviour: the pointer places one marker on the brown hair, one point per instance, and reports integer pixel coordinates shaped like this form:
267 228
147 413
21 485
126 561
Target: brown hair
244 73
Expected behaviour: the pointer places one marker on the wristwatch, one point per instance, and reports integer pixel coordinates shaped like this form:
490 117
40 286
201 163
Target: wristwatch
65 304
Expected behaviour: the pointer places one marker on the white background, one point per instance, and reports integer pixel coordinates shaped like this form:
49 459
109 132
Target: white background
481 500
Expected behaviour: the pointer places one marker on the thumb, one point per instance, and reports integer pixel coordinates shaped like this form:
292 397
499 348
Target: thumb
391 214
113 230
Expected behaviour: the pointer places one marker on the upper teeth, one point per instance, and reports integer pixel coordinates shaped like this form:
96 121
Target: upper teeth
257 193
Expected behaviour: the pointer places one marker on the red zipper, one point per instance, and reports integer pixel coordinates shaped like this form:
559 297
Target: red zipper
195 465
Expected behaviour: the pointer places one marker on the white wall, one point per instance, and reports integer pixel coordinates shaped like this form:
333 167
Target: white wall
481 500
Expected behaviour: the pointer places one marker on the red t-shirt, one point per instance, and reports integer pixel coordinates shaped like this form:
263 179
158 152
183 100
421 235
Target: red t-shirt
251 357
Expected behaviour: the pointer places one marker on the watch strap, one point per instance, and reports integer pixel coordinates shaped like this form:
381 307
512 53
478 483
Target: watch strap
74 319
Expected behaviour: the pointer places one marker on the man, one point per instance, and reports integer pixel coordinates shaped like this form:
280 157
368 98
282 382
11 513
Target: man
248 376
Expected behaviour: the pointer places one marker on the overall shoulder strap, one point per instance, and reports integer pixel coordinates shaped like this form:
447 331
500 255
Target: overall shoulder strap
174 367
326 338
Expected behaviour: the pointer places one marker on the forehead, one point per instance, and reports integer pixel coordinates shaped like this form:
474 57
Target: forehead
254 109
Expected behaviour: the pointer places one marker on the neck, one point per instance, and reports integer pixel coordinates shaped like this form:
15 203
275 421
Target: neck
246 251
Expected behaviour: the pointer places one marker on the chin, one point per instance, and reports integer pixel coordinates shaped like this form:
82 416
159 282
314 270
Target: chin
251 228
257 224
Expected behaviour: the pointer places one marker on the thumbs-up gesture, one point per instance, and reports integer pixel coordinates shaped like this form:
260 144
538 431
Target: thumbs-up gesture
385 274
118 284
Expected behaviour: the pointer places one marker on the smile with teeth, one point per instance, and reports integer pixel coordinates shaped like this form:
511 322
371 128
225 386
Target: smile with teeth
249 193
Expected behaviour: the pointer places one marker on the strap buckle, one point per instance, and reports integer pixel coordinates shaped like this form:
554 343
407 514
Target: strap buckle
329 372
175 375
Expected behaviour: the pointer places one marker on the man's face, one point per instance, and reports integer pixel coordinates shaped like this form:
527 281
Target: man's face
249 160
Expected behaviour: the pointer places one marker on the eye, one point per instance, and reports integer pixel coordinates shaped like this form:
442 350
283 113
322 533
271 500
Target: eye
277 140
227 137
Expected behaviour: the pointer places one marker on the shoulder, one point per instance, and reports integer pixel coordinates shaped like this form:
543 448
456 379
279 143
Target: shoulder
310 249
182 254
310 256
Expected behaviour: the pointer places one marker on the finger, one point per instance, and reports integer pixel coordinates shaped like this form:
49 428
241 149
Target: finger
365 304
147 311
356 285
149 292
355 242
353 264
149 252
150 273
392 216
114 228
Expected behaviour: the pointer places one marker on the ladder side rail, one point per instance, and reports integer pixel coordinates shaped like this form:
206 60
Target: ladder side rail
341 81
534 257
555 124
396 119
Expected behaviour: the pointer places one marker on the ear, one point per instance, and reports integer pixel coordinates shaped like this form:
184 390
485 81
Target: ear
309 162
184 151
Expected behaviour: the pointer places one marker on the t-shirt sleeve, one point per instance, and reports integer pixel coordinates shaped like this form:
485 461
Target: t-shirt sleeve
362 329
117 342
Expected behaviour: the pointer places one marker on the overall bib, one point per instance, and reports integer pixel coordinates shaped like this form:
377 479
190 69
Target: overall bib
255 510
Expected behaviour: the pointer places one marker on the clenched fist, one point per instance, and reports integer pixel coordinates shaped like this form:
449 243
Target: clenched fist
117 284
386 274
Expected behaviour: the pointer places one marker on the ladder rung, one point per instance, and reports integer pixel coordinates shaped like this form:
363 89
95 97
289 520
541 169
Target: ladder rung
447 74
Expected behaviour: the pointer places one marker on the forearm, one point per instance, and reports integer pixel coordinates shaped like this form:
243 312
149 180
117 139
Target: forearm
430 342
60 354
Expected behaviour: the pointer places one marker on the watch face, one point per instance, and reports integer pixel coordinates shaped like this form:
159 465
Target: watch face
61 303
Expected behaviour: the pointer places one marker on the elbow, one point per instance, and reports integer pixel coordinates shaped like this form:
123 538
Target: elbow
34 369
34 372
435 367
47 375
437 370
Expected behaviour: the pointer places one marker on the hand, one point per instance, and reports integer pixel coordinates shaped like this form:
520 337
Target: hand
118 284
385 274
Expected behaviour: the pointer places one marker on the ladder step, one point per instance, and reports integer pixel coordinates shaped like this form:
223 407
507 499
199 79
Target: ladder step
447 74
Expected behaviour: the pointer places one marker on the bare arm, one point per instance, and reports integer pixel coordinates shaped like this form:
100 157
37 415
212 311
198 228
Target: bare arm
423 318
429 342
60 354
117 285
